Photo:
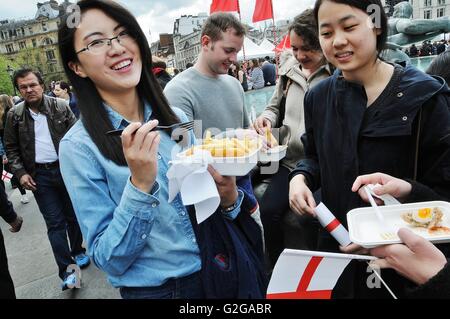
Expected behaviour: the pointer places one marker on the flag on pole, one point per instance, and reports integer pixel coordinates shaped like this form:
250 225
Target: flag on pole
283 45
224 6
301 274
6 176
263 10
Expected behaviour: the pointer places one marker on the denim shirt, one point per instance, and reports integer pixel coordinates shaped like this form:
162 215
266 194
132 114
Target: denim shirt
137 238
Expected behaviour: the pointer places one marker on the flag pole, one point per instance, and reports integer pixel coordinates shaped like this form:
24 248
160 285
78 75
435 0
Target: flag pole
274 37
382 281
240 19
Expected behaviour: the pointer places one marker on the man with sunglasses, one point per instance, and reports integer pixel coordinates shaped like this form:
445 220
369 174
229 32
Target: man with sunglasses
33 130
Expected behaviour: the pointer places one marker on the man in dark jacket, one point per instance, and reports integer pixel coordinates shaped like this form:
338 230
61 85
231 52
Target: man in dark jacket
269 72
9 215
32 134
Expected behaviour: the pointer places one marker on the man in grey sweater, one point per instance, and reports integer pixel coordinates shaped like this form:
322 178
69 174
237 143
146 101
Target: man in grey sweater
206 92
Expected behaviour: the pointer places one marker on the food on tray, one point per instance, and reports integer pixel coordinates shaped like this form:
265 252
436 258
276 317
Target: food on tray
424 217
225 147
270 139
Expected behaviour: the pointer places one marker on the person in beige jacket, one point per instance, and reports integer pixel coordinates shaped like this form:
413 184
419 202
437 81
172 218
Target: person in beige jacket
299 70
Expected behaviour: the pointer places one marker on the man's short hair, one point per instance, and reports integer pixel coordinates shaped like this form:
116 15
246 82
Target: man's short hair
220 22
24 72
63 85
157 62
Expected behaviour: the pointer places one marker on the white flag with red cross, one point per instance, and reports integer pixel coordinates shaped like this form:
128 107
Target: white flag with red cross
301 274
6 176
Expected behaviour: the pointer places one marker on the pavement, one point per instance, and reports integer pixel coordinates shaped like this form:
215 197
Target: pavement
32 265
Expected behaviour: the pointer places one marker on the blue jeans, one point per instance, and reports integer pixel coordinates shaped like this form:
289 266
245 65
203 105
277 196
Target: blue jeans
189 287
56 208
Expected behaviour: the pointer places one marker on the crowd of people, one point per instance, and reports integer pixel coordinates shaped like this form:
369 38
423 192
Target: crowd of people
427 48
348 117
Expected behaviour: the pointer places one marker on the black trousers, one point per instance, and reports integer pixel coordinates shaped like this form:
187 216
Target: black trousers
273 206
6 283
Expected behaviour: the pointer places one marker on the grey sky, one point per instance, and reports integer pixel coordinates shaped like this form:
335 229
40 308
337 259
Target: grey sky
158 15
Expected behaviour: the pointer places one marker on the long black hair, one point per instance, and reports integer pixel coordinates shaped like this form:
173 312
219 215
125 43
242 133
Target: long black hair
441 66
94 115
363 5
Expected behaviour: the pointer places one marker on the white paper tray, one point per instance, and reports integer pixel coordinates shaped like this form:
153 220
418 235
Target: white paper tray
232 166
274 154
365 228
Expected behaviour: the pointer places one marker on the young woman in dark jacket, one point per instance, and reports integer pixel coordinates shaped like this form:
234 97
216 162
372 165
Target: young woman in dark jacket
369 116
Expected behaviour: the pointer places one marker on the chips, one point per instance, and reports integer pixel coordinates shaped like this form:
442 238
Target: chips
226 147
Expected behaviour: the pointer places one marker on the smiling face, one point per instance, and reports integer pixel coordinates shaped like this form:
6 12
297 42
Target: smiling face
309 59
347 36
115 69
219 55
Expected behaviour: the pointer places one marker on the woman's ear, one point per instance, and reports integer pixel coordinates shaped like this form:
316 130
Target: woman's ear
77 68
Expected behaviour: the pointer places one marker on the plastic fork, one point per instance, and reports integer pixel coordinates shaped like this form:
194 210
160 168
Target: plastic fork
186 126
389 233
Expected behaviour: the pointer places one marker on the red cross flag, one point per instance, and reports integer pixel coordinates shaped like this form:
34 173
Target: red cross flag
6 176
301 274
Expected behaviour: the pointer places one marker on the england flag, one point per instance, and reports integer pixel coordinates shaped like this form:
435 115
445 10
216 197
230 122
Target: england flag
301 274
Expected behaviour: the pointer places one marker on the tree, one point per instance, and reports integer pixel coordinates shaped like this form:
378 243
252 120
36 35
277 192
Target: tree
6 86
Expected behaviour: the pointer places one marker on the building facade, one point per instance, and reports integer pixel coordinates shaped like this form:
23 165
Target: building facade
186 39
430 9
34 43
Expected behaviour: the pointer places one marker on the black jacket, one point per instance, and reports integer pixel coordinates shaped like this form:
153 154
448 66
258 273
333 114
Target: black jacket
438 287
345 139
19 135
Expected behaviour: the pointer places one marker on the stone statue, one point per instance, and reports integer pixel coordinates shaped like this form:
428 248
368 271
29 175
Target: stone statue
403 31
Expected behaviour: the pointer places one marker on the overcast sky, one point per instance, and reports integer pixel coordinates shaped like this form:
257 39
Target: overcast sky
158 16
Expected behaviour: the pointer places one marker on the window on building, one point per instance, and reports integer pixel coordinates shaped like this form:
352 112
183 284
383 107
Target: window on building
427 14
2 36
441 2
50 55
48 41
10 48
30 30
440 12
34 43
427 3
44 26
22 45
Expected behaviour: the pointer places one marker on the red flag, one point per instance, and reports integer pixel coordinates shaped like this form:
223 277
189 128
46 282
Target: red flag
263 10
224 6
284 44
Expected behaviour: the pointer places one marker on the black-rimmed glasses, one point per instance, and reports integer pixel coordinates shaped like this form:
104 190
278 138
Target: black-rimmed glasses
102 45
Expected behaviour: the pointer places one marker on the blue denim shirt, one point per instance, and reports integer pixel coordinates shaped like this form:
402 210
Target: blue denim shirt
138 239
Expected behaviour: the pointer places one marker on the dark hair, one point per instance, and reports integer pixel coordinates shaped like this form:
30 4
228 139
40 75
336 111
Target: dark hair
220 22
305 26
63 85
364 6
24 72
441 66
94 115
189 65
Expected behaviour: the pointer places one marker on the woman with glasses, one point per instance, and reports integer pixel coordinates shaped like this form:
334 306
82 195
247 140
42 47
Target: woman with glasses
118 185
